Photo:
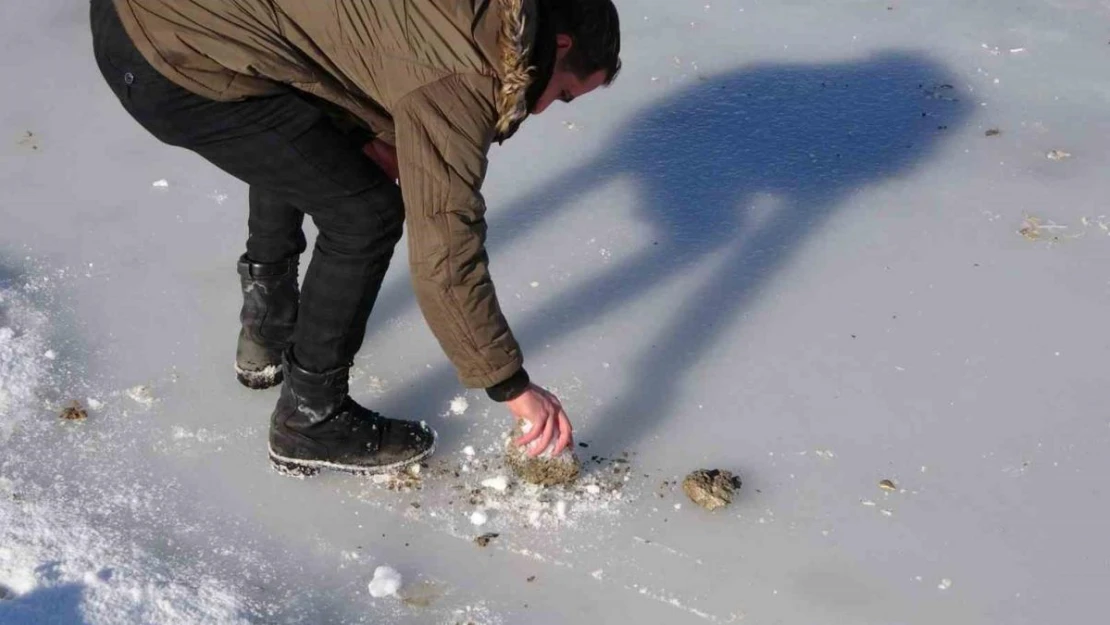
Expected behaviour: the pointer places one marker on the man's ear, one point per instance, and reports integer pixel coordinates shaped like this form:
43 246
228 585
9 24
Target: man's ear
563 42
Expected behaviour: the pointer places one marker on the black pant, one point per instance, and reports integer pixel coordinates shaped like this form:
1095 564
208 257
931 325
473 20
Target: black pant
297 162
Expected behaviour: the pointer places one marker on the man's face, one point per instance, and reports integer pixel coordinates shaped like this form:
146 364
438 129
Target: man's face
564 84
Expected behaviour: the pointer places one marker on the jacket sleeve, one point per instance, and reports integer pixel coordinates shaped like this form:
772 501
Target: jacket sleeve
443 132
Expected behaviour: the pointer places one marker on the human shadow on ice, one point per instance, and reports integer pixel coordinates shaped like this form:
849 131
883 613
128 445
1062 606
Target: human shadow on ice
732 173
57 605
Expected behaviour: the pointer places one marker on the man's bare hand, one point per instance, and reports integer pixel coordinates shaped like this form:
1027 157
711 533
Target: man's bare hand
549 422
384 155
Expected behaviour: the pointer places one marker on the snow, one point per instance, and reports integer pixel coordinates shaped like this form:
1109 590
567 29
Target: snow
56 568
459 405
386 582
478 518
784 230
22 336
498 483
141 395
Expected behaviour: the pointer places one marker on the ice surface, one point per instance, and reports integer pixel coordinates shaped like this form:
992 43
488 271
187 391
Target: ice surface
783 227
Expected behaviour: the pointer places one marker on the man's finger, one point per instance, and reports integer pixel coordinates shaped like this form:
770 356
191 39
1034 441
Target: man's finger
564 433
529 436
548 434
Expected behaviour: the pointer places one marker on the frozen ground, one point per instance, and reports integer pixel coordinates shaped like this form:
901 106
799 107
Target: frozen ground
783 243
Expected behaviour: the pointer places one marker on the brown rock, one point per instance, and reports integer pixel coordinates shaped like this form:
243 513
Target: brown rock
484 539
74 412
710 488
544 469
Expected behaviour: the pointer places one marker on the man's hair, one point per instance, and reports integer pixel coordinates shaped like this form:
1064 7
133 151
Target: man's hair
595 29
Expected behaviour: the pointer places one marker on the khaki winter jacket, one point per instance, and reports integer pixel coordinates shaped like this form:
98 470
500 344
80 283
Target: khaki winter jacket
440 79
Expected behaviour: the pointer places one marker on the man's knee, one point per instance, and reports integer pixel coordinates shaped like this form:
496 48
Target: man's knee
366 224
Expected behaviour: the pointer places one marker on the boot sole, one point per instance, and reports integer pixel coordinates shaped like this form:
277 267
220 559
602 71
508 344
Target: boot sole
259 380
293 467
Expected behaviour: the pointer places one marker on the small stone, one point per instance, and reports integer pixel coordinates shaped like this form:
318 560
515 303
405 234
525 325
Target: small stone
887 485
74 412
993 132
711 488
483 540
531 578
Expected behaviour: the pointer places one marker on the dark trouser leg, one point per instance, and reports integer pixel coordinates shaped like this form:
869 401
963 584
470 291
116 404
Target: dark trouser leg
274 230
356 239
268 278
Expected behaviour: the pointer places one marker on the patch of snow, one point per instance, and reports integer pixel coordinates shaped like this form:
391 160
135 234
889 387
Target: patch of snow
479 518
593 489
50 355
141 395
945 584
56 566
499 483
459 405
386 582
468 451
21 373
160 184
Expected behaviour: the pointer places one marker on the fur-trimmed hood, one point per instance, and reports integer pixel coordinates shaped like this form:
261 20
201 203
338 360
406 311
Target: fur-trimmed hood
517 72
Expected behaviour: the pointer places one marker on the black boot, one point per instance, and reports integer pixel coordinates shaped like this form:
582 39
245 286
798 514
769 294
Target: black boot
316 425
269 313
